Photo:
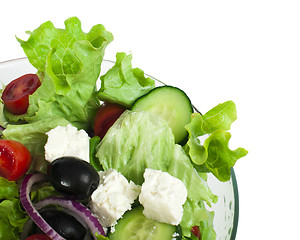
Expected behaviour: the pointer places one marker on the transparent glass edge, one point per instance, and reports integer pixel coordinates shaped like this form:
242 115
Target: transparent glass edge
236 205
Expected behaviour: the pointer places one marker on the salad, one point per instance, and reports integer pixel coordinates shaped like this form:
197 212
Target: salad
144 152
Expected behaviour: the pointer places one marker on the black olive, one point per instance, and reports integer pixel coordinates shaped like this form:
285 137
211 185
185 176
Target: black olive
65 225
73 177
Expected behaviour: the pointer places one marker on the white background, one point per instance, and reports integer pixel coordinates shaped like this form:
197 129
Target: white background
245 51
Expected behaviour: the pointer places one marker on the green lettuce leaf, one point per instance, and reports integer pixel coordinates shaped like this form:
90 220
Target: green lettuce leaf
207 229
101 237
12 217
68 63
64 61
33 136
42 193
128 148
213 155
193 147
194 213
8 189
94 142
123 84
219 117
3 121
220 158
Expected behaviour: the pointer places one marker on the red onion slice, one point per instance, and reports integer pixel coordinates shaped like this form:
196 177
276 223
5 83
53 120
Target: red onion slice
28 181
76 207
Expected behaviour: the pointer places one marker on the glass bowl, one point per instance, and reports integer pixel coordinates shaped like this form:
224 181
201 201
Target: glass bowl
226 209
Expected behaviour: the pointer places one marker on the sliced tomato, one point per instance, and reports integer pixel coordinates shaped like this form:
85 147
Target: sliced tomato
16 94
39 236
106 116
196 231
15 159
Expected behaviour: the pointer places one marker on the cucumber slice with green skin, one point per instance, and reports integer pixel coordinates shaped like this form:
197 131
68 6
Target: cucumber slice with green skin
172 104
135 226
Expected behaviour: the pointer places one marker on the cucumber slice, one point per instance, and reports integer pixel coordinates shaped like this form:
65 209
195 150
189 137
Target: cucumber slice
135 226
172 104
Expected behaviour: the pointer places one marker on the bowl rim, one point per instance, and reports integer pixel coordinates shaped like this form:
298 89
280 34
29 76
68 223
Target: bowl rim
233 176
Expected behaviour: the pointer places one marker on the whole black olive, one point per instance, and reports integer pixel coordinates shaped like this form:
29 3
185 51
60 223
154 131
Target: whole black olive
73 177
65 225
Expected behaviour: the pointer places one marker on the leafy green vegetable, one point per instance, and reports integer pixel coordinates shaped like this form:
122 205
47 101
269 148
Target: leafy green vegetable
214 154
8 189
65 60
68 63
43 192
3 121
100 237
12 217
94 141
219 117
193 147
220 158
194 213
207 229
122 84
128 148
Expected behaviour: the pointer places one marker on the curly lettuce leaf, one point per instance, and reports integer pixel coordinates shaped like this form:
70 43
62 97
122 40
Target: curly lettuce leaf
220 158
214 154
46 37
128 148
12 217
68 63
193 147
220 117
207 229
123 84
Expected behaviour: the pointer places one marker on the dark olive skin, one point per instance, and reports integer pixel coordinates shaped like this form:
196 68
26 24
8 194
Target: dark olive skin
64 224
73 177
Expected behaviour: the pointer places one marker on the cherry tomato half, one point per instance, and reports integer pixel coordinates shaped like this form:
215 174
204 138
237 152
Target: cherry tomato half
196 231
15 159
106 116
39 236
16 93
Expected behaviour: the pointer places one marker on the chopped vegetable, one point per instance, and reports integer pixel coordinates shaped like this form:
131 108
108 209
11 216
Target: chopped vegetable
16 93
123 84
106 116
135 226
12 217
39 236
15 159
77 208
214 154
72 205
170 103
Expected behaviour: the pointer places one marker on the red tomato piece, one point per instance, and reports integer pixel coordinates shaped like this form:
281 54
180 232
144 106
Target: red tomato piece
16 94
15 159
196 231
39 236
106 116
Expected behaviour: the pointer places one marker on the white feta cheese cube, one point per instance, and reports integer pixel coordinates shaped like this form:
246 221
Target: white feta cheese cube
162 197
67 141
113 197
